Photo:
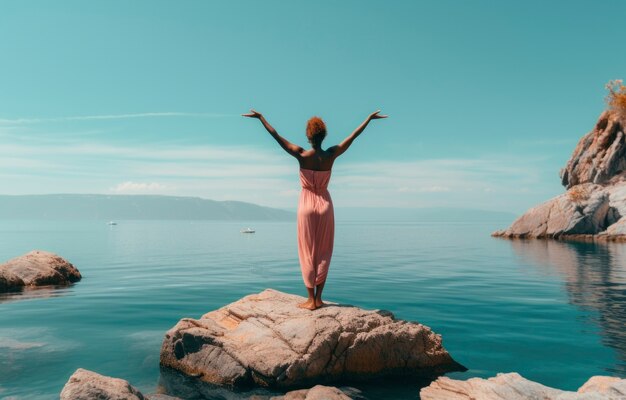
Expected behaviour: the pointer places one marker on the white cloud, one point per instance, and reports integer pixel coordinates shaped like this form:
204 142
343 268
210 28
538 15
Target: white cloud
425 189
139 188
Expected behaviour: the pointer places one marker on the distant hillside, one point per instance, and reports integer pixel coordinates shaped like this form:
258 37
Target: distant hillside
124 207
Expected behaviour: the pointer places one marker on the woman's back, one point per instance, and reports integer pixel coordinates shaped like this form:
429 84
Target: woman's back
316 159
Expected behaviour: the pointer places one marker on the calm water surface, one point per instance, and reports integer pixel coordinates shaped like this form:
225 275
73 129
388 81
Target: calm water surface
554 312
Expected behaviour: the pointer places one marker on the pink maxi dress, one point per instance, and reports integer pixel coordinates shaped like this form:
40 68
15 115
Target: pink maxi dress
316 226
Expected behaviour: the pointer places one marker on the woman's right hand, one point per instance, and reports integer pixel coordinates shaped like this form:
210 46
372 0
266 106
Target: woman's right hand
252 114
376 115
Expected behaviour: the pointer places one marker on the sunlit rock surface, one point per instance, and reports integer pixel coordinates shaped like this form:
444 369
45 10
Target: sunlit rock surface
512 386
265 339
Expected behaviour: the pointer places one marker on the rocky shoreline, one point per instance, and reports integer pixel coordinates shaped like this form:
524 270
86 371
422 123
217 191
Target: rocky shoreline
89 385
265 342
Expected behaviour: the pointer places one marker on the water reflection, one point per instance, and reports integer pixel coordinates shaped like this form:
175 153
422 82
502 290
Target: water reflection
595 278
39 292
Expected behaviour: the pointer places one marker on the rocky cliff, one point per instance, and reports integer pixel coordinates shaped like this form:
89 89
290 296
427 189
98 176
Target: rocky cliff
594 204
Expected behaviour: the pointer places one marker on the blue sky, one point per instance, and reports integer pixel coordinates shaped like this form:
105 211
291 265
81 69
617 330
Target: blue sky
486 99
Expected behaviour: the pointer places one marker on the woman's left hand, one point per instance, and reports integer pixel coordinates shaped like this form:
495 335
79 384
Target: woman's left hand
252 114
376 115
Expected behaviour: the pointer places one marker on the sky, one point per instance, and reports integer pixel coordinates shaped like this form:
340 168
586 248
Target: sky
486 99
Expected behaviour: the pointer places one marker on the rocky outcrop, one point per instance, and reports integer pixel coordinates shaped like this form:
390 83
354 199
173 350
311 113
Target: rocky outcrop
594 205
265 339
37 268
600 156
512 386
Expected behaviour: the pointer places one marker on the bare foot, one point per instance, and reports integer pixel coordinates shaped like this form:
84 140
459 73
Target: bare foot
319 303
309 305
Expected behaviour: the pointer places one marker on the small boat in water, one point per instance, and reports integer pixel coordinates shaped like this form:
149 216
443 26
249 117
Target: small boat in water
112 223
248 230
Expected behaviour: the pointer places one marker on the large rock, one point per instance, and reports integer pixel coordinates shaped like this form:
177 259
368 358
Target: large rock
512 386
594 205
89 385
37 268
265 339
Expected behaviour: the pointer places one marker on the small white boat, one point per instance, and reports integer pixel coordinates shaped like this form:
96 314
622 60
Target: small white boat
248 230
112 223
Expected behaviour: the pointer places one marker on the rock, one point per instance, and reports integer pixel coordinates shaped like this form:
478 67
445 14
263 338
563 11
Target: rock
265 339
37 268
9 281
599 156
317 392
610 386
88 385
512 386
594 205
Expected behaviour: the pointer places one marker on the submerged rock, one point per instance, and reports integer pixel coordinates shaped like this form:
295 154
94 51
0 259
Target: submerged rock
512 386
265 339
37 268
594 205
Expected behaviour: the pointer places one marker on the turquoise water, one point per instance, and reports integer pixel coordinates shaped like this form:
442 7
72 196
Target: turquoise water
554 312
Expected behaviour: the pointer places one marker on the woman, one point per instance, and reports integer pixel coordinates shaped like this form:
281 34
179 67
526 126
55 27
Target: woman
316 221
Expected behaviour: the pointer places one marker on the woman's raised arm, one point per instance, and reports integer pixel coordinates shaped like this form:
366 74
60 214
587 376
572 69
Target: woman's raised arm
339 149
289 147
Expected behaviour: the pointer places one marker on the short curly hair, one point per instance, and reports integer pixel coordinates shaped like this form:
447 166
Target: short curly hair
315 130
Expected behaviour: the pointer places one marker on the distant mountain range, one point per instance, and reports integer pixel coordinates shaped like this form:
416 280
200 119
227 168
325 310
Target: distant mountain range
146 207
127 207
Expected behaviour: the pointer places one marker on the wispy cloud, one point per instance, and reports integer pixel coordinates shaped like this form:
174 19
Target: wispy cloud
502 182
139 188
425 189
19 121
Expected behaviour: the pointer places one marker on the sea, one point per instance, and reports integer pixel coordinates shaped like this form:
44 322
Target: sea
554 312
